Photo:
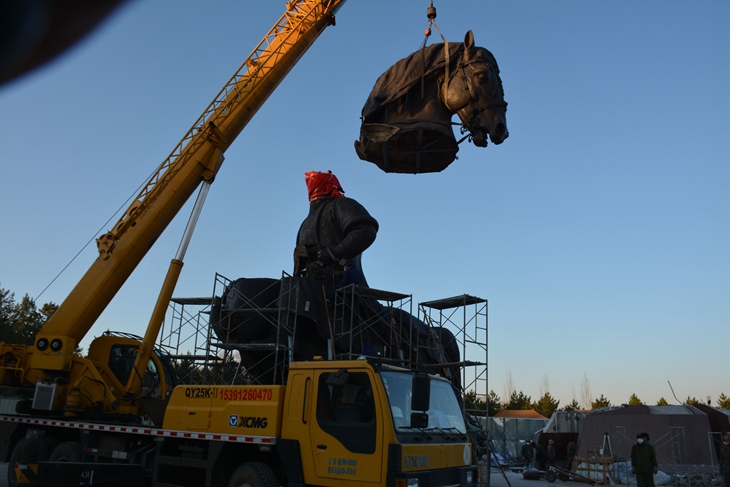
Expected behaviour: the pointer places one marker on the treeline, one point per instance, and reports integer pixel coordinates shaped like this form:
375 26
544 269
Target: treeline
547 404
21 320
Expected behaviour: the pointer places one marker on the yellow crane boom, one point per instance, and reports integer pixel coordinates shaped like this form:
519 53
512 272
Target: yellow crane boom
196 158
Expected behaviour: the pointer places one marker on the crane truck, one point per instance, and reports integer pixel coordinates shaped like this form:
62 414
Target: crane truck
118 416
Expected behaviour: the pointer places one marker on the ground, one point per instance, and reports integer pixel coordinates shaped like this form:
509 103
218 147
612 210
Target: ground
497 480
516 480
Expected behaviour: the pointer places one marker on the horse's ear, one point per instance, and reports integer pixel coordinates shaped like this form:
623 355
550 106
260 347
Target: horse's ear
469 49
469 40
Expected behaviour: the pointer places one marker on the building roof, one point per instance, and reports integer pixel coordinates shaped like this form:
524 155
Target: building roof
519 413
683 410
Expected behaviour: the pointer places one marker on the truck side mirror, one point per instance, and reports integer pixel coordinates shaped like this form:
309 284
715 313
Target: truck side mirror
421 393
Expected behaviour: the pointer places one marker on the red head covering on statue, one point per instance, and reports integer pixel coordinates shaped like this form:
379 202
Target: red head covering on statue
321 184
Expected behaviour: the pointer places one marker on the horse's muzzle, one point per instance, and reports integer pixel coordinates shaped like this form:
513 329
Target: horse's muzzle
499 133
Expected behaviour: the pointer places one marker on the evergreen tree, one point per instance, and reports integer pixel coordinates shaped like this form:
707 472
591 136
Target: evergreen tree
546 405
21 321
635 401
519 401
662 402
494 404
691 401
723 401
601 402
474 403
573 406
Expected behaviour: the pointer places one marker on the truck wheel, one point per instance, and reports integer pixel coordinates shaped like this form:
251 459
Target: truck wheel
31 449
253 474
68 451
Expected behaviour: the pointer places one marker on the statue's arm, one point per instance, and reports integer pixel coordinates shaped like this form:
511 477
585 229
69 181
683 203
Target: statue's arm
357 239
358 228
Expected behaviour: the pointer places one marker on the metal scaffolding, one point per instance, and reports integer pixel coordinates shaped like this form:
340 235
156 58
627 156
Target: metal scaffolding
206 357
196 332
467 318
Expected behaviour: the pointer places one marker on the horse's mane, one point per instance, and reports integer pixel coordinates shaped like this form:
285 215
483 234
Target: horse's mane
407 72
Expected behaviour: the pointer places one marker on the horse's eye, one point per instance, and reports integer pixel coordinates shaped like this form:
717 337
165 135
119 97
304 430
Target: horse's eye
482 76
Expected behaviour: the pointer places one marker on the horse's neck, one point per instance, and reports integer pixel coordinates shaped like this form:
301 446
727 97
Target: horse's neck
419 105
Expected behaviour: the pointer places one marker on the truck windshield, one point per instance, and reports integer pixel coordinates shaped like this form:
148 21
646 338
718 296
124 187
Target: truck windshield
444 415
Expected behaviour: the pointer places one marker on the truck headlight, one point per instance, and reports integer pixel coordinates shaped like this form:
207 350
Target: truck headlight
413 482
469 476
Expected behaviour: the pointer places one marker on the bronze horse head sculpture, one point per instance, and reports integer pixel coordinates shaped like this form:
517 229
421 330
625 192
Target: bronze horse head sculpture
406 121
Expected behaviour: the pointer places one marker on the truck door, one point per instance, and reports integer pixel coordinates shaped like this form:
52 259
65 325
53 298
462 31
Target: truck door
346 428
190 408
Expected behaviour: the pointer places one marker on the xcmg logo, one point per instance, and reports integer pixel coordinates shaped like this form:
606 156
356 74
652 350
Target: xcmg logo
235 420
412 461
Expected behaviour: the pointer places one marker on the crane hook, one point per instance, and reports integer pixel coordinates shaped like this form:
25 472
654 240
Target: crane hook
431 12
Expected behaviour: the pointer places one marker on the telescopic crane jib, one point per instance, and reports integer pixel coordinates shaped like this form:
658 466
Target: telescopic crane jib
195 159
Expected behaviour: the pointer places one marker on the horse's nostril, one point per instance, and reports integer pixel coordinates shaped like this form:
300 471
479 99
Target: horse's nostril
500 130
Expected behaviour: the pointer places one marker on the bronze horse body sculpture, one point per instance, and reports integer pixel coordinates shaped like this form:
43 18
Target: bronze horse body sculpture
256 317
406 121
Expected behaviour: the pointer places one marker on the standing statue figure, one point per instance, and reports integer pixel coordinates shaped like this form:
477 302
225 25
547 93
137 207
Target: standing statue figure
336 228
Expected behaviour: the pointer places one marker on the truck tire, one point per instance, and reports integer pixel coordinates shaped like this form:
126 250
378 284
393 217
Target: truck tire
31 449
253 474
68 451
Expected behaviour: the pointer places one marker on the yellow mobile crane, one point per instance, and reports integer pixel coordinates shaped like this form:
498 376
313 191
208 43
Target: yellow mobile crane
51 366
117 416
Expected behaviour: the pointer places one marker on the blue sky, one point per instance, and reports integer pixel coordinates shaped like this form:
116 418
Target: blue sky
599 231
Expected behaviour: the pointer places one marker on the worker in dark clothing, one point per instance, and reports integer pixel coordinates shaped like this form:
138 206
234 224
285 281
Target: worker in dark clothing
725 458
527 454
551 454
541 456
643 461
350 275
570 453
